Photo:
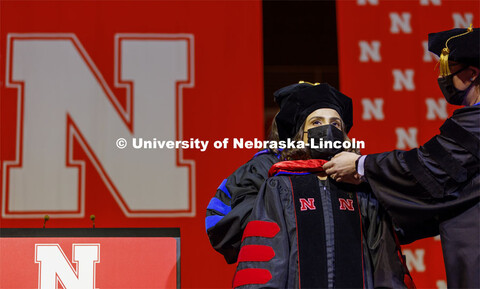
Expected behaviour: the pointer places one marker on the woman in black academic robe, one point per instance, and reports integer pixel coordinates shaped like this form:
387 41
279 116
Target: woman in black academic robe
307 231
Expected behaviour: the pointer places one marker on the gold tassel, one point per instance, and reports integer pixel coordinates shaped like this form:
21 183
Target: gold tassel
314 84
444 67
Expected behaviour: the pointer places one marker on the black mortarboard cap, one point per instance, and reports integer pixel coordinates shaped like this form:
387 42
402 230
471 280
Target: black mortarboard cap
297 101
458 44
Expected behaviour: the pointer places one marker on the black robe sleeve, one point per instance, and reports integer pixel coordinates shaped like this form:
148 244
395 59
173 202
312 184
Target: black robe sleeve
435 190
422 187
228 212
269 245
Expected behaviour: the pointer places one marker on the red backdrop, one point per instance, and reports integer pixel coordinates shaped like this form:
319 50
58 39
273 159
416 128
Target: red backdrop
116 268
70 88
68 75
386 69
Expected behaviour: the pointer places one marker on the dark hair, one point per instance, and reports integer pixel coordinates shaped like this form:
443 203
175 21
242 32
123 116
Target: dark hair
273 134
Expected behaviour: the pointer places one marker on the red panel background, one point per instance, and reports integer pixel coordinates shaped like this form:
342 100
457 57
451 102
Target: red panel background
226 102
124 262
365 20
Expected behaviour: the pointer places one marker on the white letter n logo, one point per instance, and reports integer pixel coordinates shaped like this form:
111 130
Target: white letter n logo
62 97
55 267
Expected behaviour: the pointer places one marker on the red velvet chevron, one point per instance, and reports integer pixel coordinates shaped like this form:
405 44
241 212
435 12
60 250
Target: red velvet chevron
260 229
256 253
251 276
300 166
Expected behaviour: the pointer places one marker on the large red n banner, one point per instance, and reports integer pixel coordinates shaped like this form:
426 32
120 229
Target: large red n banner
112 109
387 69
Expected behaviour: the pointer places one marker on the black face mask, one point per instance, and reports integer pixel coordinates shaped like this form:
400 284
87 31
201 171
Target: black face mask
321 134
450 92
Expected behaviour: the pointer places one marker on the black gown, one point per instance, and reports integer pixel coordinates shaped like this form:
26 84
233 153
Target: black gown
435 189
312 234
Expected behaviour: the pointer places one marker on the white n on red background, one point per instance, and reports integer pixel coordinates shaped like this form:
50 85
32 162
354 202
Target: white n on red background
124 262
76 76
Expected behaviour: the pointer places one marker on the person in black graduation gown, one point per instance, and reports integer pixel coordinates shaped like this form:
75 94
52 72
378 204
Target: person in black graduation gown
435 189
229 210
307 231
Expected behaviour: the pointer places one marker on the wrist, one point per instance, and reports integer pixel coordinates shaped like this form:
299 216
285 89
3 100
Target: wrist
356 164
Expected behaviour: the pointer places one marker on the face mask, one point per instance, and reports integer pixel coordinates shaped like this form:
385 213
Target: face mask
316 140
450 92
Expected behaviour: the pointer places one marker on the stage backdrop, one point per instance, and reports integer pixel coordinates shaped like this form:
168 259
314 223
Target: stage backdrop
386 67
94 95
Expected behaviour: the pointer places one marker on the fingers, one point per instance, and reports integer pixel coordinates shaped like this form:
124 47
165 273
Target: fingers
340 176
330 171
346 180
328 168
328 165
